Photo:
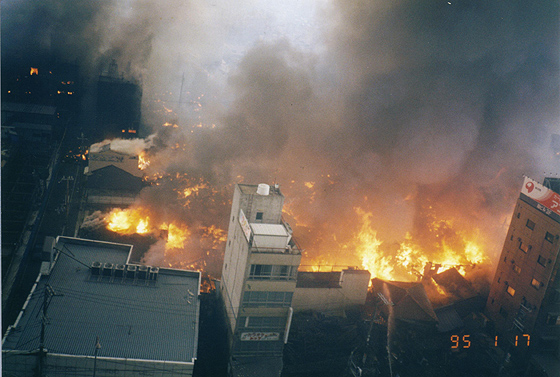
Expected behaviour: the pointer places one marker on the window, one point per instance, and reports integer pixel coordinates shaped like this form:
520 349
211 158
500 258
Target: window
259 216
524 247
253 299
517 269
530 224
535 283
541 261
272 272
263 323
549 237
510 291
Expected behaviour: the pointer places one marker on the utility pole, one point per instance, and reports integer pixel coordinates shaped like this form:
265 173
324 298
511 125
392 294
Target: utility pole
97 347
67 197
47 295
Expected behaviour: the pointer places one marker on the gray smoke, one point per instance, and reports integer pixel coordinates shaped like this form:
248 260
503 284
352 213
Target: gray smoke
405 109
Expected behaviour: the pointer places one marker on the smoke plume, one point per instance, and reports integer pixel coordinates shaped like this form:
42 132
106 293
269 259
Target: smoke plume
411 111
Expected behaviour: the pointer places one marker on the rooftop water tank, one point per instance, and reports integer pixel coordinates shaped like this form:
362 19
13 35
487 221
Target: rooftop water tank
263 189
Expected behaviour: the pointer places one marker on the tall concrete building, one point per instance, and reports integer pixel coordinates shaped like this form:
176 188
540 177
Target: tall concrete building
259 273
525 293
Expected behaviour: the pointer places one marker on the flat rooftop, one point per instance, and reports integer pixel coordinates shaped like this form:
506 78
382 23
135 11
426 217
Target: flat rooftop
153 316
252 189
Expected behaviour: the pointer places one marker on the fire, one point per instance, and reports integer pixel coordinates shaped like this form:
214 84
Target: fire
367 247
457 249
142 226
143 161
193 190
176 236
127 221
33 71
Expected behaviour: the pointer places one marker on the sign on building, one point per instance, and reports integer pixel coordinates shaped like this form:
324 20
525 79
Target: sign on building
260 336
245 225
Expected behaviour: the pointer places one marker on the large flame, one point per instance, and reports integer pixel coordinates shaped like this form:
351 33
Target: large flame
127 221
449 248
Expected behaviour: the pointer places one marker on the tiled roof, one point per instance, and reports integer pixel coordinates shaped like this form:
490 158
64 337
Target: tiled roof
134 318
113 178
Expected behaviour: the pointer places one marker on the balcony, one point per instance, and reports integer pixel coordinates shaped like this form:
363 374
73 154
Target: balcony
292 248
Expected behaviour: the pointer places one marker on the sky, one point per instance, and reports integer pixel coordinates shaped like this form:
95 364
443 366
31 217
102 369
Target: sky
410 111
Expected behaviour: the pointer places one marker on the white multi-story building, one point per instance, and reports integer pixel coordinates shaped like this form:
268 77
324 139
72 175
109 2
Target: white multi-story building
259 272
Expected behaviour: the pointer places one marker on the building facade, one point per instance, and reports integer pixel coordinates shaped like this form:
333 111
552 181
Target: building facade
525 293
259 272
331 292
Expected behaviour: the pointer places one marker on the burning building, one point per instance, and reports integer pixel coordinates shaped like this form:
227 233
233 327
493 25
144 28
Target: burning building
259 275
525 293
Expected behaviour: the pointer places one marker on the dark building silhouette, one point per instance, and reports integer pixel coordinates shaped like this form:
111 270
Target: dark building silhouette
118 109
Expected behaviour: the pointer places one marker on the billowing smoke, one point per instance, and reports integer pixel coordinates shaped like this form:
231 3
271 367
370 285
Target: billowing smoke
414 112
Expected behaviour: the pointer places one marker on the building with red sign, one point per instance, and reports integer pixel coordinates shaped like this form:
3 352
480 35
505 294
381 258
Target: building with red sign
525 293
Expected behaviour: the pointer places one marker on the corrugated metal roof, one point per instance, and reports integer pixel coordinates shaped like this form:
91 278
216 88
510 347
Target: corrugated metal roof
133 318
269 229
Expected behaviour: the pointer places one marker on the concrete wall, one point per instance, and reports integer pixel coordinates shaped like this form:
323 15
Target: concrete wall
352 291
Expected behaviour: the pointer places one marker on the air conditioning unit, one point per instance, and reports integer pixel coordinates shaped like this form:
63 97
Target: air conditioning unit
154 272
95 268
107 269
131 271
119 270
142 272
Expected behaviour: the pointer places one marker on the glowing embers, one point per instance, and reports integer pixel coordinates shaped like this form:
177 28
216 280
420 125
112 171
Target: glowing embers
440 245
33 71
143 161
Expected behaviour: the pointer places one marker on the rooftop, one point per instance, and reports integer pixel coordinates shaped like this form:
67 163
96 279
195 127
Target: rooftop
113 178
134 317
252 189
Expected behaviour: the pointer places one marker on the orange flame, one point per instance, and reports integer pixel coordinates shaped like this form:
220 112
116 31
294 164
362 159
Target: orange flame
33 71
143 161
408 261
127 221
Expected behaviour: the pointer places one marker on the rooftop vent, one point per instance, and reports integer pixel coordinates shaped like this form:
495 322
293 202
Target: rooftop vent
119 270
154 272
142 272
107 269
263 189
95 268
131 271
